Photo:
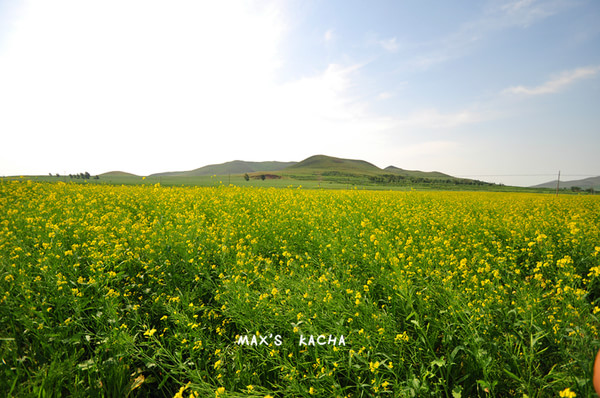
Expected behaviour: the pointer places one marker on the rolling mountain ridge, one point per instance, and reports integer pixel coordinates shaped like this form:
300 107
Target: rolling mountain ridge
233 167
313 165
586 183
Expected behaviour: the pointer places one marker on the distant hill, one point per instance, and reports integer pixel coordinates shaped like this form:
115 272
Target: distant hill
416 173
321 163
328 168
586 183
234 167
318 168
118 174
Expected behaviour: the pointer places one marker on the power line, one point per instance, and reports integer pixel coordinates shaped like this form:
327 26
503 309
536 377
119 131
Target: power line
505 175
526 175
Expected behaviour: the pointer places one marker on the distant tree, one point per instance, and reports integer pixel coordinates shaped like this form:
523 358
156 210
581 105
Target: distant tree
576 189
262 177
96 177
86 175
246 177
58 175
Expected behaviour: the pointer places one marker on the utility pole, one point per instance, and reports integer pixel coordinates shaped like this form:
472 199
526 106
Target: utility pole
557 182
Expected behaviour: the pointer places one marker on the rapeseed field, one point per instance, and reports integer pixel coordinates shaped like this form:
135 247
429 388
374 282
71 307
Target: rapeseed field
115 291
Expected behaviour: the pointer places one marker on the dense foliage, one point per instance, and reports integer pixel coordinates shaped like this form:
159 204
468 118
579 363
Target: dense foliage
146 290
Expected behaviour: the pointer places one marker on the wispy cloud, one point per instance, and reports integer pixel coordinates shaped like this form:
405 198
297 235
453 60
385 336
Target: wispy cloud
557 83
329 35
427 148
498 17
390 45
385 95
526 12
434 119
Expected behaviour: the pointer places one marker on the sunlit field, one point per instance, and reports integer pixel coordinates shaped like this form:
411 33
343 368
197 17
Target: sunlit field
225 292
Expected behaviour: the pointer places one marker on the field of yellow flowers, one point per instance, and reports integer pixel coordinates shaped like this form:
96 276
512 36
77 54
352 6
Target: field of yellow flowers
225 292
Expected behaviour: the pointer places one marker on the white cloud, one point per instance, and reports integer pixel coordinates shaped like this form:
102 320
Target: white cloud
503 15
433 119
147 87
390 45
77 75
329 35
516 5
428 148
427 155
321 111
557 83
385 95
526 12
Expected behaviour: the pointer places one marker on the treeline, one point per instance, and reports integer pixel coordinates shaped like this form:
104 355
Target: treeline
84 176
579 189
399 179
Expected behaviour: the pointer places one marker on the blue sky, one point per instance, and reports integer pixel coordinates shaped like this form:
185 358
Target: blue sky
506 91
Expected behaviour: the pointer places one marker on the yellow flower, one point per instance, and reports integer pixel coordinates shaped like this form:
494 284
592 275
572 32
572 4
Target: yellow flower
401 337
373 366
181 390
149 332
567 393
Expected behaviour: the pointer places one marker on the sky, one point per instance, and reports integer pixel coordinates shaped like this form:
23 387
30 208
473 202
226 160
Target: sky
506 91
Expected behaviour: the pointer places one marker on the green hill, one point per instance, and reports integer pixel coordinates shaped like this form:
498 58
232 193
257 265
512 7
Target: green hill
328 169
317 166
320 170
234 167
415 173
321 164
118 174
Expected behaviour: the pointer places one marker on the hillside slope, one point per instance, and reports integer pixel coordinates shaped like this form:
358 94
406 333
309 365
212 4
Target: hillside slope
118 174
415 173
320 164
586 183
233 167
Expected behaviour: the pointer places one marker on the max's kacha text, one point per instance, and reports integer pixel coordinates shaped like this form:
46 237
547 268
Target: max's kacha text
310 340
